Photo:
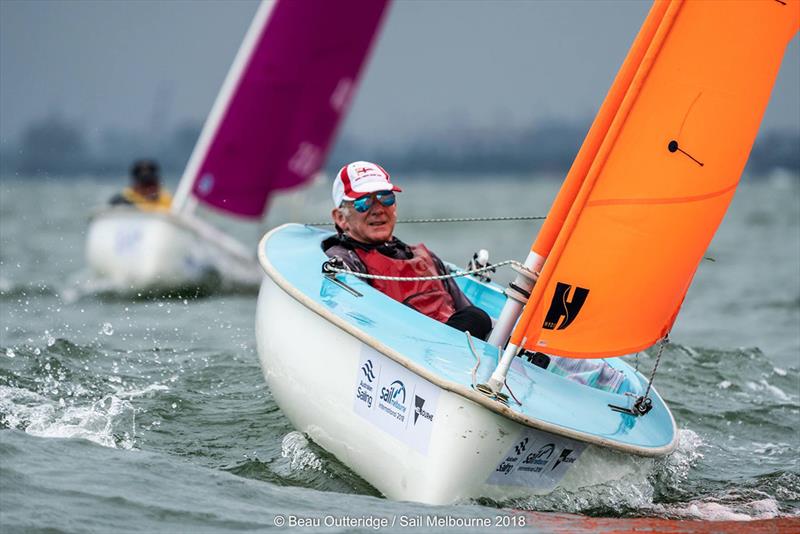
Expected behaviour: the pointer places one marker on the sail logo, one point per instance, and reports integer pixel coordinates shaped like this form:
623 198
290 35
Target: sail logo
563 308
342 94
367 370
306 160
419 402
536 461
395 395
206 183
127 239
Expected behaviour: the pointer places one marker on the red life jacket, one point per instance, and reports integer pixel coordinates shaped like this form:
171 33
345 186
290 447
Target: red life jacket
426 296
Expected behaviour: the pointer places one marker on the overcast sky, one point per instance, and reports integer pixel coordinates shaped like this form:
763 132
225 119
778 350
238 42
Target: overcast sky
155 64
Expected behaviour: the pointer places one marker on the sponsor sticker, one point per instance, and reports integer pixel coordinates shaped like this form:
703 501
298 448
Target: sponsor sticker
537 460
395 400
127 240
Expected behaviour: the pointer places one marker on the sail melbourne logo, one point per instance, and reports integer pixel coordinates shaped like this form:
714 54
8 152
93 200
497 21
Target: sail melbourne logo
564 307
394 400
536 461
394 393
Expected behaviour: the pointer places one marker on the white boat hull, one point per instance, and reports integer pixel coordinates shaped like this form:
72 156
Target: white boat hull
465 452
137 251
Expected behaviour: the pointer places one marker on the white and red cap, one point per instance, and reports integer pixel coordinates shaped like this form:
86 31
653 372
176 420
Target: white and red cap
358 179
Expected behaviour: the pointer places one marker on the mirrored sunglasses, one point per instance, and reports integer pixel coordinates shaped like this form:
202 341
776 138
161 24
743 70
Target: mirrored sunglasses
386 198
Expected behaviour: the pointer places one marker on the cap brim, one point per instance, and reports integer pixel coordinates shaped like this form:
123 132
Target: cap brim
372 188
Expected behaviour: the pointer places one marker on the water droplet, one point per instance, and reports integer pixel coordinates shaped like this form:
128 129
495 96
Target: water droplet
36 351
108 329
174 405
10 353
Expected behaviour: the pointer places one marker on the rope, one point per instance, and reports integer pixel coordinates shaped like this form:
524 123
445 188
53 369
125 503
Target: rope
328 268
477 358
505 382
664 342
453 220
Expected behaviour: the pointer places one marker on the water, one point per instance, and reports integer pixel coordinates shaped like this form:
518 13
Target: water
138 414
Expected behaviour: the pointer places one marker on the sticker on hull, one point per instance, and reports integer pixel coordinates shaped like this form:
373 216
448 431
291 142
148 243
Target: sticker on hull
537 460
395 400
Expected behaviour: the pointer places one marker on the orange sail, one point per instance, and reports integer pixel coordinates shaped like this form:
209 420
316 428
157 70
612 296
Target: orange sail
580 167
660 180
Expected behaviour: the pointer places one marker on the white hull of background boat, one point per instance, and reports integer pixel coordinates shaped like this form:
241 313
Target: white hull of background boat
141 251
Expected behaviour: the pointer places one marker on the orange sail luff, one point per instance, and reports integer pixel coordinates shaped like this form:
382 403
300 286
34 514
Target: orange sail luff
597 132
661 180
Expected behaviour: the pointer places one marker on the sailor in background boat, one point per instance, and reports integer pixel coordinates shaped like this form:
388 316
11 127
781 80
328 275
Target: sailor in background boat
145 191
365 212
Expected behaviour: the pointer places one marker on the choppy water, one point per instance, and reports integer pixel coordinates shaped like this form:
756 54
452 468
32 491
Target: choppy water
152 414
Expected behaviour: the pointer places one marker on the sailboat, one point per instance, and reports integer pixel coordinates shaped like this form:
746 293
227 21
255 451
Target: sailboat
424 412
269 130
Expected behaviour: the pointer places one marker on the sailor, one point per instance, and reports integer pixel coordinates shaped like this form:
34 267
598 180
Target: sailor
365 212
145 191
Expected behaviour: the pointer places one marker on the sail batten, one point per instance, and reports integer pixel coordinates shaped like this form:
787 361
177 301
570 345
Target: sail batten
659 181
666 200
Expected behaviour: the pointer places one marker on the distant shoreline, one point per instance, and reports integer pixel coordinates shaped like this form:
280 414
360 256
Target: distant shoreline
61 147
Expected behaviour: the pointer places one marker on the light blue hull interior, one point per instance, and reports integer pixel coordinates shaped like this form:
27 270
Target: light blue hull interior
295 252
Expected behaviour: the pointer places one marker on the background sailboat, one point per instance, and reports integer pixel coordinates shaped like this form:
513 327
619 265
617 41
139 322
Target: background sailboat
269 130
394 394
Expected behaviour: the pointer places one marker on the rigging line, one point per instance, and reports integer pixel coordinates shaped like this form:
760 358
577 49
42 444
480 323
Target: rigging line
327 267
664 342
505 383
477 358
453 220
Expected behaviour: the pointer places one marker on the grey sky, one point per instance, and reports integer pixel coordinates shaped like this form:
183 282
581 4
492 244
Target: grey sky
439 64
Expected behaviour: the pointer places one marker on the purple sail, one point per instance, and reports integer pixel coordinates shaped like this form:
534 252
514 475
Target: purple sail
287 91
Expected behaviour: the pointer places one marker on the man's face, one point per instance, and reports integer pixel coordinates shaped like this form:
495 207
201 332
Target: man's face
375 225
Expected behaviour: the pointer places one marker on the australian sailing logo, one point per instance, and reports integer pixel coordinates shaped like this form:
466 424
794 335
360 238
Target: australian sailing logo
419 402
507 465
364 390
562 307
368 372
